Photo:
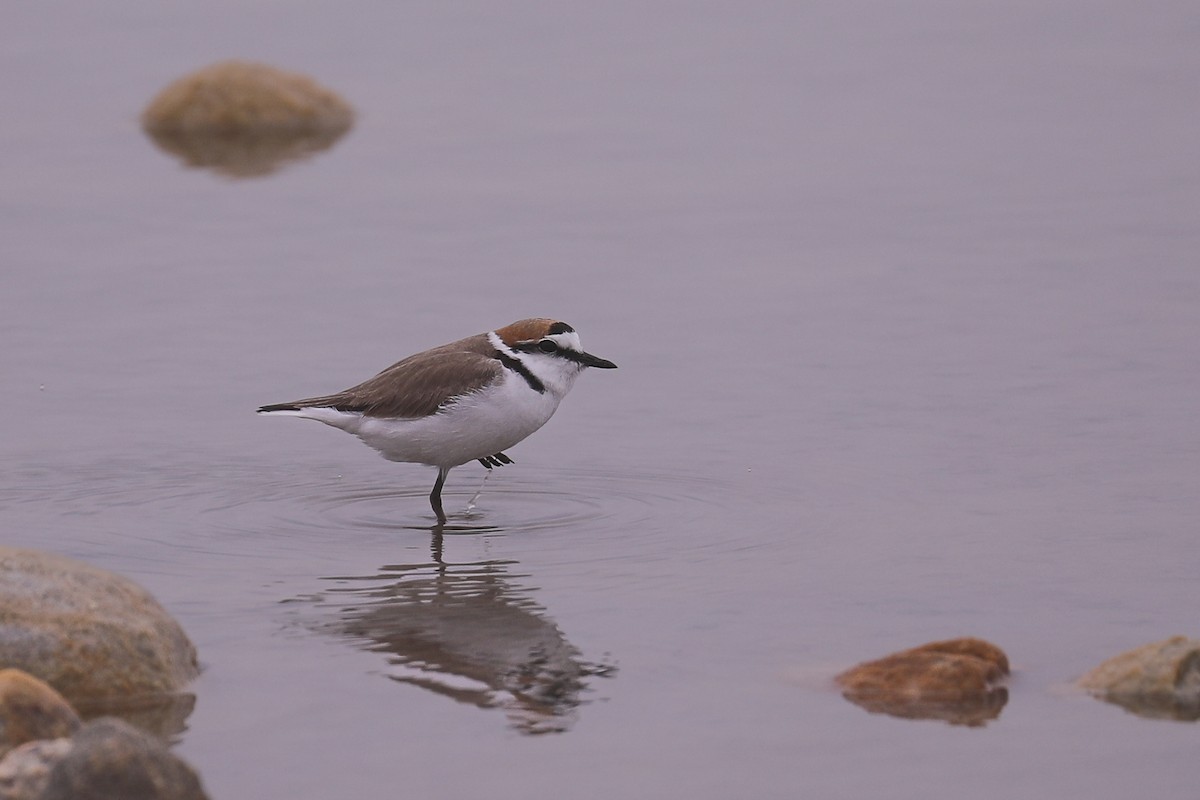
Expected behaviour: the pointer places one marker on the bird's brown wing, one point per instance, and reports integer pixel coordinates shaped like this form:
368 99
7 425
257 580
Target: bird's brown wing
417 386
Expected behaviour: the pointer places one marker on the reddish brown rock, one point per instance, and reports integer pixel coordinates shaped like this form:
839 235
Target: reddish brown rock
31 710
1160 679
954 680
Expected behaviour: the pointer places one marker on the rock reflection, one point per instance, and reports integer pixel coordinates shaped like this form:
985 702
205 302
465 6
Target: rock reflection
244 154
466 632
1180 709
973 712
164 716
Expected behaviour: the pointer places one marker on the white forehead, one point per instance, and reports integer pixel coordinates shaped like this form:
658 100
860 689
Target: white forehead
568 340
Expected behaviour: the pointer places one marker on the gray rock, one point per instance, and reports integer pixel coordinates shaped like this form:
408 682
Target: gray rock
112 760
1159 680
91 634
31 710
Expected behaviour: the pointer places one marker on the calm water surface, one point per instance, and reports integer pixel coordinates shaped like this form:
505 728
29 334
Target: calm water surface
906 304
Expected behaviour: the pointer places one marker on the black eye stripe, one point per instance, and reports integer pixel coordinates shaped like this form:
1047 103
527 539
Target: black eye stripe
558 352
561 352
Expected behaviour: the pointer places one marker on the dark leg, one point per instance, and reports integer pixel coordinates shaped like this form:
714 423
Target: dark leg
435 497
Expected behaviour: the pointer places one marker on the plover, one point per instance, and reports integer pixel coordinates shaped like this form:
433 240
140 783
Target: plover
465 401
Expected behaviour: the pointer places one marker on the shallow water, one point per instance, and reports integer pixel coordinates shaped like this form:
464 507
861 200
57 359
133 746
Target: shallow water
905 304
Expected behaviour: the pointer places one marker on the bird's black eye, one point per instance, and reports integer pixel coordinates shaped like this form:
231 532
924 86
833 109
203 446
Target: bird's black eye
548 346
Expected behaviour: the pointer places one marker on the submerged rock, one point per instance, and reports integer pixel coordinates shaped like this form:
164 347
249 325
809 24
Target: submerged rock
1160 680
99 639
31 710
954 680
109 758
243 119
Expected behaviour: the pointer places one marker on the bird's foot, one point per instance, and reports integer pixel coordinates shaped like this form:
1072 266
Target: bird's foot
497 460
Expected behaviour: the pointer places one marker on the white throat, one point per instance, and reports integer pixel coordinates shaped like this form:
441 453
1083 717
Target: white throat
556 374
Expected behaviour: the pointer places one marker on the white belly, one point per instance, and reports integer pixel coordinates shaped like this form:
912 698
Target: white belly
476 426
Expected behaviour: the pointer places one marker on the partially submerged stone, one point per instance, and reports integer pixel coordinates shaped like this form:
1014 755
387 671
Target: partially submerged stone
956 680
96 637
31 710
244 119
1160 679
109 758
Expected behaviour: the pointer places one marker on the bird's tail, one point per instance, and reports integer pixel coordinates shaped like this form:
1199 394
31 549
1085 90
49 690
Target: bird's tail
279 407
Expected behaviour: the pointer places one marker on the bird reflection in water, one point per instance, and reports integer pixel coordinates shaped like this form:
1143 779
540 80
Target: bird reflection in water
466 632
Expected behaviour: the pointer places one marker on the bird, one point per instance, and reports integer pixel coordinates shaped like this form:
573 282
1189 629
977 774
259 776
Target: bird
468 400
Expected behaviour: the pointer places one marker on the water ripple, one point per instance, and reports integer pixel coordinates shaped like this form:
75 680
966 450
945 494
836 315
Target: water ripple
258 499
